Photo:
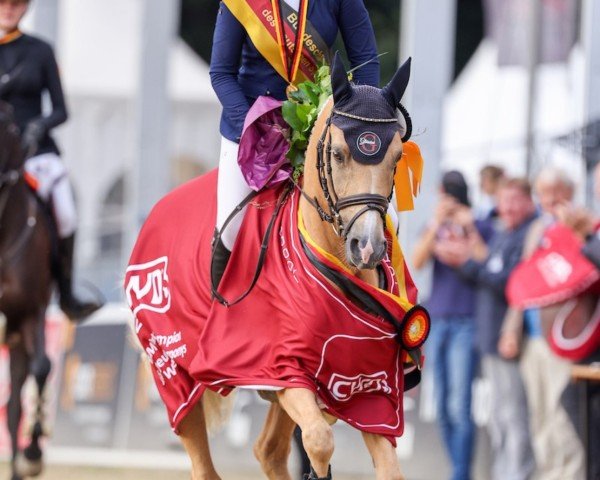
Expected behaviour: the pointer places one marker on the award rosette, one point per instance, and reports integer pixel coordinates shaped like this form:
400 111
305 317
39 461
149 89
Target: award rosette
415 327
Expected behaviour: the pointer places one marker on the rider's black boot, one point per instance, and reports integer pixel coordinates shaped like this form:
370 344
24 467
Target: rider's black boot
74 308
219 262
313 475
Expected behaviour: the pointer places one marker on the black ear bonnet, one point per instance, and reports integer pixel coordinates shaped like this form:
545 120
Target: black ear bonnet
368 115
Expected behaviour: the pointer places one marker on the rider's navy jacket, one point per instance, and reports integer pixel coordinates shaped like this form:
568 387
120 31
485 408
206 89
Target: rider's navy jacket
239 73
27 70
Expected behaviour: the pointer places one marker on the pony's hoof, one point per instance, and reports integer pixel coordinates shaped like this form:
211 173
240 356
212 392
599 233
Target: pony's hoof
27 468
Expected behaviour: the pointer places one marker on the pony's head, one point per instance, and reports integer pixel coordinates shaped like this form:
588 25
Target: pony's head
358 146
11 155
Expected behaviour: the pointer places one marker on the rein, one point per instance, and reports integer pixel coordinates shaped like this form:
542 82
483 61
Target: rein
263 247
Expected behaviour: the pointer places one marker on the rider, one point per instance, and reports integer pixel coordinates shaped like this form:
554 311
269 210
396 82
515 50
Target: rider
247 61
28 69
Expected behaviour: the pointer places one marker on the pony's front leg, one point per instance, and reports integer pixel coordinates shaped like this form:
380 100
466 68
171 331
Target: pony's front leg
192 432
383 453
273 446
301 406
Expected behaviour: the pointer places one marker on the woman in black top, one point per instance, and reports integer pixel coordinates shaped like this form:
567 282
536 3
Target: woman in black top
28 70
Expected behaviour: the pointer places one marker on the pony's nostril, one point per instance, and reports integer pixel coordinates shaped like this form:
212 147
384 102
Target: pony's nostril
354 247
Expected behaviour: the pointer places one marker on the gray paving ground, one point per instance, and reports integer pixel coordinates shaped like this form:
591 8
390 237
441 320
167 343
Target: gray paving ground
54 472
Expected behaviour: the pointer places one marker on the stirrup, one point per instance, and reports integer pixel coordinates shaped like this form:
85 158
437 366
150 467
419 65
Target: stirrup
313 476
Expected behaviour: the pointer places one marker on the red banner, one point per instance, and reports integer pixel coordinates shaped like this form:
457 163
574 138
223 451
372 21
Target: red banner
556 272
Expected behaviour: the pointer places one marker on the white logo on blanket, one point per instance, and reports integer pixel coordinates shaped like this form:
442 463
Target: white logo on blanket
343 388
148 286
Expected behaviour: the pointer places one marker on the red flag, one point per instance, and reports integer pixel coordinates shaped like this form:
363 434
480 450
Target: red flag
556 272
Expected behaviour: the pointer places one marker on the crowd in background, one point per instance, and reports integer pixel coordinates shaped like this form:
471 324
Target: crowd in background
533 427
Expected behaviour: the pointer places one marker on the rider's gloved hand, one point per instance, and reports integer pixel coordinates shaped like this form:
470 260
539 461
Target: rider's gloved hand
33 134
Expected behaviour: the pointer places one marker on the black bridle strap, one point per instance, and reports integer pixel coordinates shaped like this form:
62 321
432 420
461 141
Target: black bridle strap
365 301
263 247
370 201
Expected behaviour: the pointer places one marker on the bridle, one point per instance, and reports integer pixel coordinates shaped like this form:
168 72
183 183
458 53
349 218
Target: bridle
335 204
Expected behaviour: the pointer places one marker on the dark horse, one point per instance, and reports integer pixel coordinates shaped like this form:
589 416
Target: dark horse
25 289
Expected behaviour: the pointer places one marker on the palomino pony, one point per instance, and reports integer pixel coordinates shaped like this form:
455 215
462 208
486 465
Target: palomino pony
322 333
25 288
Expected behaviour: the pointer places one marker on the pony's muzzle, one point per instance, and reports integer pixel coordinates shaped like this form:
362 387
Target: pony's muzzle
365 251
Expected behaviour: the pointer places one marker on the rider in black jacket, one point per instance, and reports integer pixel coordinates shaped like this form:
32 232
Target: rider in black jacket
28 70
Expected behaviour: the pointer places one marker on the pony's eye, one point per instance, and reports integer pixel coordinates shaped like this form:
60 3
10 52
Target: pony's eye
337 156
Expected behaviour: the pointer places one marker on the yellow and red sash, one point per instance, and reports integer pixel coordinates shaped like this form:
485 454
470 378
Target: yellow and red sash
274 29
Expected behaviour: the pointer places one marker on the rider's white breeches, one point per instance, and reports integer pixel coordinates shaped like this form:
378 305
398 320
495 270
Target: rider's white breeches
54 186
231 190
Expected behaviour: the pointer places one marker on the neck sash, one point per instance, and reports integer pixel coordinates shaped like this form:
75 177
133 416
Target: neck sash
272 23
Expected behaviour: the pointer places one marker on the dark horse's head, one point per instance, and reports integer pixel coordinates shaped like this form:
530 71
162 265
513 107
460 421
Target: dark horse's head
359 146
11 154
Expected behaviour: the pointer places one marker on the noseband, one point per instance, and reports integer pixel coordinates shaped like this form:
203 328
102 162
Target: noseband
335 204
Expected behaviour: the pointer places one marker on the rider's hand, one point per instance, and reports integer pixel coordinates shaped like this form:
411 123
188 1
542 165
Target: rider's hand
33 134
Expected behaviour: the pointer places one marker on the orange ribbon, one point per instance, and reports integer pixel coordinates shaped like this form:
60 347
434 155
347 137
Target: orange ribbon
409 174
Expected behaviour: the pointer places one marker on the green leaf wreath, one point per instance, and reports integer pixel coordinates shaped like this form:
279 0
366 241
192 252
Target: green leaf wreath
300 111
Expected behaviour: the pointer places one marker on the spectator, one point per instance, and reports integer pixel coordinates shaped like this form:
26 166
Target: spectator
28 75
450 349
490 178
508 426
552 399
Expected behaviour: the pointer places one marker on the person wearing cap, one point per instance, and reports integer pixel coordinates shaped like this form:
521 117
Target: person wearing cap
249 60
450 352
508 426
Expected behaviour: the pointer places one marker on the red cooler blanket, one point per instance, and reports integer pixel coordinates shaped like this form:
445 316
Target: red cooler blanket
294 329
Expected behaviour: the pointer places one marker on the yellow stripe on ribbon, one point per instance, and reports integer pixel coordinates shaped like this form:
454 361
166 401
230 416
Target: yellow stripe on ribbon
302 19
397 262
263 39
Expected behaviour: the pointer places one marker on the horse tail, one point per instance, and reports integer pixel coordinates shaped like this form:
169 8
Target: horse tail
217 409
